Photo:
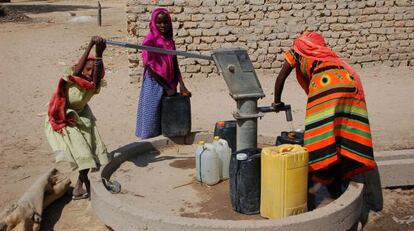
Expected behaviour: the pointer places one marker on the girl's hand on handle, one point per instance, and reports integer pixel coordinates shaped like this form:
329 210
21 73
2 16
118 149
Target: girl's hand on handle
94 39
184 91
277 105
100 45
170 92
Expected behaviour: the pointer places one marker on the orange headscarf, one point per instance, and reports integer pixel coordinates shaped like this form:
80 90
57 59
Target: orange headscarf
312 45
57 104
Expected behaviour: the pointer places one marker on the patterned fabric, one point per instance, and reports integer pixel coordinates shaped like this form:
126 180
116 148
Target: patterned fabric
337 132
149 110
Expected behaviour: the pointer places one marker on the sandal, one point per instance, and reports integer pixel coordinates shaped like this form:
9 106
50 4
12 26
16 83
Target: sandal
80 196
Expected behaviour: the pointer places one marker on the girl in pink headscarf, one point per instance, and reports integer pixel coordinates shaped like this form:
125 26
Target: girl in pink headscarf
337 131
161 75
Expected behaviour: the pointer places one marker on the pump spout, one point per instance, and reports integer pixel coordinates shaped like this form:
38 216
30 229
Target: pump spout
285 107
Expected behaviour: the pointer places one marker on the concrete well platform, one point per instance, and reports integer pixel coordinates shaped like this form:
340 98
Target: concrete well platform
121 213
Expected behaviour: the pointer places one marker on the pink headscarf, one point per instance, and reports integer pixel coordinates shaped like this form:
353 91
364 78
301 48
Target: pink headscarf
161 64
312 45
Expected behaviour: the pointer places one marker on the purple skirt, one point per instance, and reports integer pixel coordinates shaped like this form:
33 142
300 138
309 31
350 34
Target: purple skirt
149 110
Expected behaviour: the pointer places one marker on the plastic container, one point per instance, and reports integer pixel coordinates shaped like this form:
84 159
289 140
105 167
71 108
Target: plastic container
198 153
245 181
227 130
292 137
175 115
224 153
207 164
284 182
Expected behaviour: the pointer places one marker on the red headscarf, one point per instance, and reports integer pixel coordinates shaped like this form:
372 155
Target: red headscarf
161 64
312 45
57 104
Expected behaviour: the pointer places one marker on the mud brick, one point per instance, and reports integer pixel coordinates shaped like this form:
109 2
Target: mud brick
192 68
165 2
257 2
387 23
276 64
243 8
297 6
210 32
230 38
352 5
222 2
195 32
227 9
336 27
332 20
331 6
355 12
191 10
209 3
342 5
247 16
232 15
319 6
234 22
402 2
189 24
368 11
381 10
245 23
205 25
224 31
273 15
361 4
207 69
197 17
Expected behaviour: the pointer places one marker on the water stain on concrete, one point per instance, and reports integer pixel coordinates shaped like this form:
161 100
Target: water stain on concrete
216 203
187 163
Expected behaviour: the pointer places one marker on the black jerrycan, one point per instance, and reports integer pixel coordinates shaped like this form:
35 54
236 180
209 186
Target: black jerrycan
245 181
292 137
175 115
227 130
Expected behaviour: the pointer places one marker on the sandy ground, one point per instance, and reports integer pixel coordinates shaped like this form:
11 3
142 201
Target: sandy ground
33 55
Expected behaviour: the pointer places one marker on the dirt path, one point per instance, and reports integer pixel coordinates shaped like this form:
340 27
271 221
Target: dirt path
35 54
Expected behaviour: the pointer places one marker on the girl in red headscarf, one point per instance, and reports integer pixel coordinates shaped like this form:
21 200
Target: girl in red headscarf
70 125
337 131
161 75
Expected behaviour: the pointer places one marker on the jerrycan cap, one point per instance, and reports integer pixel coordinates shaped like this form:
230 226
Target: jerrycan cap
299 130
241 156
201 142
220 124
216 137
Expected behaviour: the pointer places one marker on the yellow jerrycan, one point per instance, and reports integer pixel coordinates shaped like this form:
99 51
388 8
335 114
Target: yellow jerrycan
284 180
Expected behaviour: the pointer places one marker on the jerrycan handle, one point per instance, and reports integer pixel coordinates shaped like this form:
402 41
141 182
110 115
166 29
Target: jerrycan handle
223 142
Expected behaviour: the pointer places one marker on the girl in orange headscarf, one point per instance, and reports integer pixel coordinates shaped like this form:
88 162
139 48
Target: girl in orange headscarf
337 131
70 125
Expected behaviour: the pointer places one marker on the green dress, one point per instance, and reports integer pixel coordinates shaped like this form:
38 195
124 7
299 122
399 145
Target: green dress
80 145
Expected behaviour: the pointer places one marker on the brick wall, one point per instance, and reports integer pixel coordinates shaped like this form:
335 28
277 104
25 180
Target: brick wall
365 32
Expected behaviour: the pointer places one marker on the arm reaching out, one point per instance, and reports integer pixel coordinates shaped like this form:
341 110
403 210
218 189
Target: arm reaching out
280 82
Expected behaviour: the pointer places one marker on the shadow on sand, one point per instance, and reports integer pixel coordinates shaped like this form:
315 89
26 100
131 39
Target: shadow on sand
52 214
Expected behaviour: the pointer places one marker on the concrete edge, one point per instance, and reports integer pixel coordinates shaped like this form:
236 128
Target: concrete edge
341 214
396 173
394 155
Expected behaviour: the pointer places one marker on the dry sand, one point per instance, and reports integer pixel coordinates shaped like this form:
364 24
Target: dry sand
34 54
